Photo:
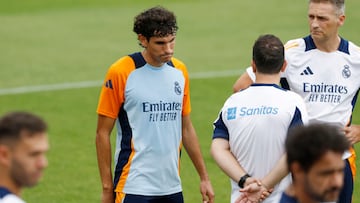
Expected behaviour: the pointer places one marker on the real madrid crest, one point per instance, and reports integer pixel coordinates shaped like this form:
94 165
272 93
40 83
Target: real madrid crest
177 88
346 72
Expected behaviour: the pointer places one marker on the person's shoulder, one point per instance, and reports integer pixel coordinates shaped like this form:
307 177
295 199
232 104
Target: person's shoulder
294 44
123 61
285 198
238 96
295 96
353 52
353 48
11 198
231 100
289 98
124 64
177 63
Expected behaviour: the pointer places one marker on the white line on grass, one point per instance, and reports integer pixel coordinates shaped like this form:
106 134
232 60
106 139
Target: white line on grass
94 83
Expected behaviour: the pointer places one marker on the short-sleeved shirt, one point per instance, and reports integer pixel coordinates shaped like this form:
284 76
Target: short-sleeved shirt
255 121
148 104
285 198
328 82
7 197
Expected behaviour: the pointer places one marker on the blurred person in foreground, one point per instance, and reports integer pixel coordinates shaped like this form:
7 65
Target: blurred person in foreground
314 158
23 147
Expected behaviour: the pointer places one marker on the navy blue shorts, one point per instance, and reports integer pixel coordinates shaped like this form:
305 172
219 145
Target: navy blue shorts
173 198
347 190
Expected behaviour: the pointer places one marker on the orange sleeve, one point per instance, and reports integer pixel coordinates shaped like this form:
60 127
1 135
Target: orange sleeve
112 93
186 100
352 162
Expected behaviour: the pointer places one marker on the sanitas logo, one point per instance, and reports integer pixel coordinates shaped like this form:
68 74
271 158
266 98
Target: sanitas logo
231 115
324 88
263 110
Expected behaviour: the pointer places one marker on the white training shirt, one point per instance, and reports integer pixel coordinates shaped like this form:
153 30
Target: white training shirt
7 197
255 121
328 82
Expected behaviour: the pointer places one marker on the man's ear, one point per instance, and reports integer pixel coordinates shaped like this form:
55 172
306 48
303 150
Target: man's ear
4 155
297 171
253 65
341 20
143 41
283 66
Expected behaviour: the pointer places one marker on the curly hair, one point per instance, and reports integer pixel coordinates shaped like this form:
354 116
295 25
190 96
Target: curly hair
156 21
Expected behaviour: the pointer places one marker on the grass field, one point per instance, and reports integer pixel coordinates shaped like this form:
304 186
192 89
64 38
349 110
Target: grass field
70 41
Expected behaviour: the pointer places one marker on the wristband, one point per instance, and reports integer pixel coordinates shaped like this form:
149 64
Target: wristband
243 180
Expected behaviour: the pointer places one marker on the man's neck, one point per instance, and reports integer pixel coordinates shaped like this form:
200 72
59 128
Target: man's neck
150 60
328 45
299 194
267 78
11 186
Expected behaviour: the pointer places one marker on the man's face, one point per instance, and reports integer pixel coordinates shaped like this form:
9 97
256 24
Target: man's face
28 159
324 21
324 180
159 50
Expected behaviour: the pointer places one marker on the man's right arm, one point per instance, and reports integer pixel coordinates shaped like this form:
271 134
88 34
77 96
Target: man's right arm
220 151
103 149
244 81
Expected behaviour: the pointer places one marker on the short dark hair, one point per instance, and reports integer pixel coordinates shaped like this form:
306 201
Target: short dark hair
307 144
156 21
268 54
14 123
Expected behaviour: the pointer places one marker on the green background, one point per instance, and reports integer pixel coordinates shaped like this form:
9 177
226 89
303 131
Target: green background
46 43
